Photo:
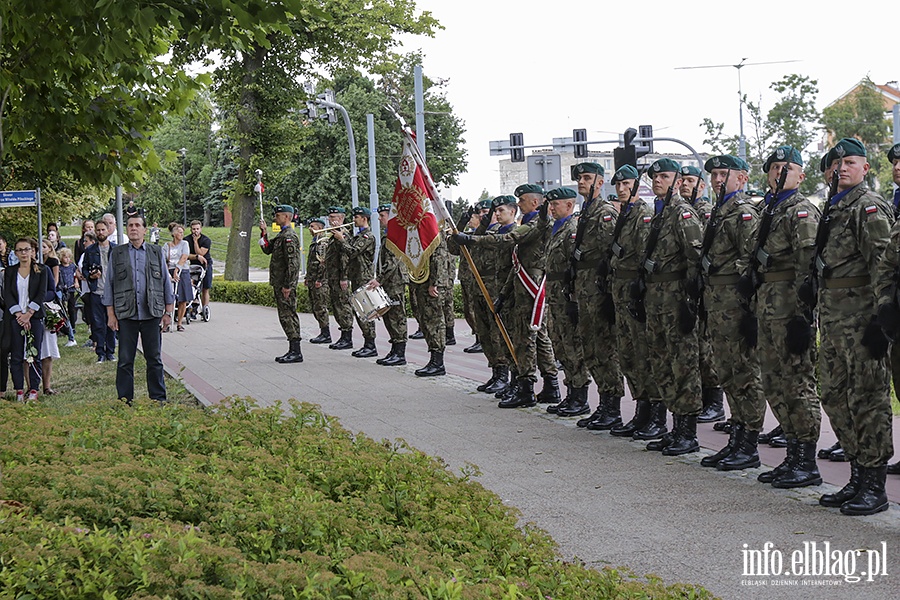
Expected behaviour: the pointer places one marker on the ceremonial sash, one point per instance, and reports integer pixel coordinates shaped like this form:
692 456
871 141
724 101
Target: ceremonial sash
534 290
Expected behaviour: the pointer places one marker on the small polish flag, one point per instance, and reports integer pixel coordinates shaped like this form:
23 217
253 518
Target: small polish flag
871 209
258 188
802 214
647 219
746 216
607 218
687 215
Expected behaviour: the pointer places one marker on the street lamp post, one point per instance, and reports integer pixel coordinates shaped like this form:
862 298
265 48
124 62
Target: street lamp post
183 153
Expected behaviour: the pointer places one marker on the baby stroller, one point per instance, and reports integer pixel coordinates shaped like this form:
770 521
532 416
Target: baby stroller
198 273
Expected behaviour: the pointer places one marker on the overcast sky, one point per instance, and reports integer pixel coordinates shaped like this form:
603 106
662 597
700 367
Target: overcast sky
545 68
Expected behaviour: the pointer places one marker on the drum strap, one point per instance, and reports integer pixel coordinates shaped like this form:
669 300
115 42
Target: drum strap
534 290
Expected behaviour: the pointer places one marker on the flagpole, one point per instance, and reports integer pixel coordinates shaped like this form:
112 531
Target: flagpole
259 191
463 249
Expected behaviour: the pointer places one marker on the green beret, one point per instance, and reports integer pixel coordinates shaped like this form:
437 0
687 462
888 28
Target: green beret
560 193
361 210
504 200
690 170
528 188
285 208
823 164
384 208
483 204
318 220
845 147
625 172
894 153
726 161
664 165
787 154
586 167
333 210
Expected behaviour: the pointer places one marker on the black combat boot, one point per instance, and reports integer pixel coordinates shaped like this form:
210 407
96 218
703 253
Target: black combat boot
501 380
838 455
418 335
524 396
734 440
597 414
724 426
849 491
667 438
368 350
745 455
612 414
345 342
450 339
434 367
388 356
491 381
562 403
294 355
685 438
640 419
578 405
765 437
893 469
656 424
790 458
713 406
803 470
323 338
474 348
280 359
871 498
549 394
826 452
399 356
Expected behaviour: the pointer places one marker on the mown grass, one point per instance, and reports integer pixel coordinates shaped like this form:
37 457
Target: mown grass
237 502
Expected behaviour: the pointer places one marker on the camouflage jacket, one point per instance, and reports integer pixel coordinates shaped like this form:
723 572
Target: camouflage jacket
450 271
391 272
790 245
599 223
677 252
633 240
315 262
437 267
703 207
359 252
284 266
494 261
559 255
528 241
335 261
735 224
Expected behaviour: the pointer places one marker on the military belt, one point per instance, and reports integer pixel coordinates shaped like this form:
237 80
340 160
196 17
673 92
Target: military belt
556 276
839 283
625 274
666 277
772 276
724 279
591 264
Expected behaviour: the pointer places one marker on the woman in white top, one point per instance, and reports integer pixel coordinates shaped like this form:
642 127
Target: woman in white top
49 345
177 252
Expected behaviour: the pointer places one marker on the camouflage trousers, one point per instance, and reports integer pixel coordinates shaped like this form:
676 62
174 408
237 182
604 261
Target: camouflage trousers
737 366
709 377
287 313
446 294
367 327
855 388
534 350
318 303
601 352
633 345
567 344
431 316
789 382
395 318
674 361
340 305
469 291
489 335
895 368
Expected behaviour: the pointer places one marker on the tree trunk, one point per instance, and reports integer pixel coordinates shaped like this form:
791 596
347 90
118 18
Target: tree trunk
243 208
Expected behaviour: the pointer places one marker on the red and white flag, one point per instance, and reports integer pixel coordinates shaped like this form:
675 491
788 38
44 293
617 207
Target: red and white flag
413 229
258 188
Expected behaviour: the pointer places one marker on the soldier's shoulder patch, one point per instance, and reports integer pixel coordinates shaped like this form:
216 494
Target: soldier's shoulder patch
802 214
288 240
871 209
707 215
746 216
647 219
607 218
687 214
573 236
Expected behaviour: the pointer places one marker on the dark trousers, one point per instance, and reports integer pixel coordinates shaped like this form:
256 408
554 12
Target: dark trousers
17 362
4 352
104 337
151 341
86 310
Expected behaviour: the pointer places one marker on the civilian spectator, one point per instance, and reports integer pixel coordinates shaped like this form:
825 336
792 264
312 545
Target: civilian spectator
90 238
200 246
49 344
95 264
66 289
53 236
177 252
4 253
87 226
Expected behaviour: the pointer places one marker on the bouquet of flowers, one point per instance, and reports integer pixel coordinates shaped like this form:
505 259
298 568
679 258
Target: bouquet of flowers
31 353
54 317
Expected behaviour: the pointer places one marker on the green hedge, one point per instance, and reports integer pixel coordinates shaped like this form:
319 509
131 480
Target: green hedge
260 294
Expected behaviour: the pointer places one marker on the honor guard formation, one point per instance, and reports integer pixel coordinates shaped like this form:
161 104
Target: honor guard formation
692 301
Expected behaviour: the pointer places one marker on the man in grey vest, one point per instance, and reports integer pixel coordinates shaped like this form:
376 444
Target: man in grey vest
139 301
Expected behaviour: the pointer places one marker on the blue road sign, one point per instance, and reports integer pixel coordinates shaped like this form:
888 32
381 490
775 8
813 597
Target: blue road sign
18 198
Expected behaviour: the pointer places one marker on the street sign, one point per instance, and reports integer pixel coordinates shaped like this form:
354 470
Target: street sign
545 170
563 144
499 148
18 198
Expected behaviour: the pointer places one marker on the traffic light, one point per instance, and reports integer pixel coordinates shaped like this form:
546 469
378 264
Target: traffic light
628 153
328 96
580 135
516 154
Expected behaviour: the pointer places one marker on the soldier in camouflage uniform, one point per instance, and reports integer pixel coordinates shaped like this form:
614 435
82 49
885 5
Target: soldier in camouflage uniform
468 286
338 283
391 275
788 370
893 156
855 384
284 273
567 346
674 351
359 251
631 334
730 319
431 312
596 223
523 287
316 282
446 288
693 189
